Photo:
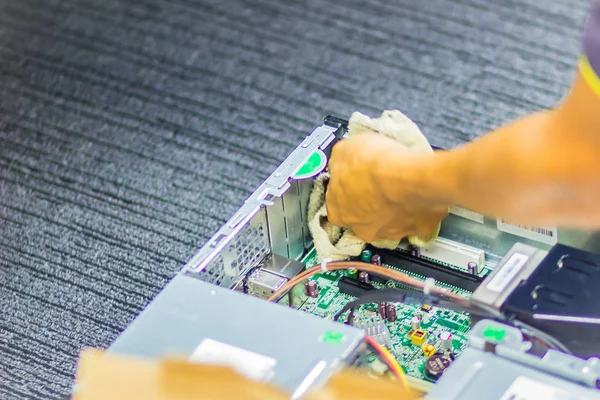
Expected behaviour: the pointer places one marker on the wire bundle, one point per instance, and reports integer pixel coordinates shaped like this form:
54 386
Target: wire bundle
363 266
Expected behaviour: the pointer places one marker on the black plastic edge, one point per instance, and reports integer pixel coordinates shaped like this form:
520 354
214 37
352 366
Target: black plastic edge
427 268
353 287
335 122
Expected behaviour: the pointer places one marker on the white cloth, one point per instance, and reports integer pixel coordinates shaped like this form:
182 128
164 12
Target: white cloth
338 243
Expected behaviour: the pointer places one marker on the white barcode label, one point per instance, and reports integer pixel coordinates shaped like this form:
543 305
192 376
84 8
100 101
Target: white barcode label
507 272
468 214
548 235
524 388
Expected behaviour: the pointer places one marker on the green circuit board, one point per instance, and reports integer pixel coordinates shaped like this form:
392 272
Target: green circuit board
409 355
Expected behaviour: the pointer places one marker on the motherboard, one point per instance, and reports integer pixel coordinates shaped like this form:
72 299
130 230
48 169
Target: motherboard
424 339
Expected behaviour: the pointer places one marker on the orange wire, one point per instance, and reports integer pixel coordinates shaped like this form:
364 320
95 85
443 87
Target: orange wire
389 360
363 266
375 269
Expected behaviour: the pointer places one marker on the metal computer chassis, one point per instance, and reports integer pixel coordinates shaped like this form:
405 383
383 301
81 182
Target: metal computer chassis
270 228
273 220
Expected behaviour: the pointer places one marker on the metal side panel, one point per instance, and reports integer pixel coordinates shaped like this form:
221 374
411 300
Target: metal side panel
277 228
287 226
485 235
290 349
305 187
219 262
479 375
293 221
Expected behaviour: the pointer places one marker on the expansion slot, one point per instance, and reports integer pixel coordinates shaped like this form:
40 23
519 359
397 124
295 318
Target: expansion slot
421 266
451 253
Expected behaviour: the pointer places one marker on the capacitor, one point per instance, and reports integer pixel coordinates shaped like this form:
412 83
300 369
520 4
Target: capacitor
363 276
366 255
376 259
312 290
390 312
415 251
446 340
415 323
382 310
353 272
472 268
435 366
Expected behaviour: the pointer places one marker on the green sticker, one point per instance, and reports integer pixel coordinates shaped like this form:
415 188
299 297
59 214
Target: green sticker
494 334
332 337
314 164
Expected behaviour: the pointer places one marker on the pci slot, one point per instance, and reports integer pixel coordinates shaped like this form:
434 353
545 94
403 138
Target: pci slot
427 268
448 252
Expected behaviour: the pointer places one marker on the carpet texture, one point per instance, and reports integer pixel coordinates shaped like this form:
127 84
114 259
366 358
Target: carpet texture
131 130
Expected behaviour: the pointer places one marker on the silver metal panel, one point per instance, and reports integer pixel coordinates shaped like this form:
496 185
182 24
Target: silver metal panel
272 188
487 237
293 221
248 247
277 228
188 311
282 266
511 274
477 375
264 284
305 187
509 372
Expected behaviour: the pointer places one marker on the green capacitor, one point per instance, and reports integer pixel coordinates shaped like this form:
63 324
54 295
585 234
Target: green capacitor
366 255
352 273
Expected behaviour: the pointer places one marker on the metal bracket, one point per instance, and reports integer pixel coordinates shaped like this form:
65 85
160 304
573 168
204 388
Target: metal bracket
274 186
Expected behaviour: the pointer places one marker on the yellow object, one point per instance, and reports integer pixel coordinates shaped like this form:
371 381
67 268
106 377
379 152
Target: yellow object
428 350
426 307
105 376
589 75
418 337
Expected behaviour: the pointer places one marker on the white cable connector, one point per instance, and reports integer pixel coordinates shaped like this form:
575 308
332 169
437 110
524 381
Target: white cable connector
324 263
428 285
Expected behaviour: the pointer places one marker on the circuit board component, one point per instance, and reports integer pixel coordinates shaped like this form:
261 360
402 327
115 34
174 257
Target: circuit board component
435 366
417 337
377 329
264 283
429 350
451 253
338 288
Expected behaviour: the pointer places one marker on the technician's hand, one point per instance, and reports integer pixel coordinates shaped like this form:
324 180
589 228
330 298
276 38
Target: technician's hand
375 190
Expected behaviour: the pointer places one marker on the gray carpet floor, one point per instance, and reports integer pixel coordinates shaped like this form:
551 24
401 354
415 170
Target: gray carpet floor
131 130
